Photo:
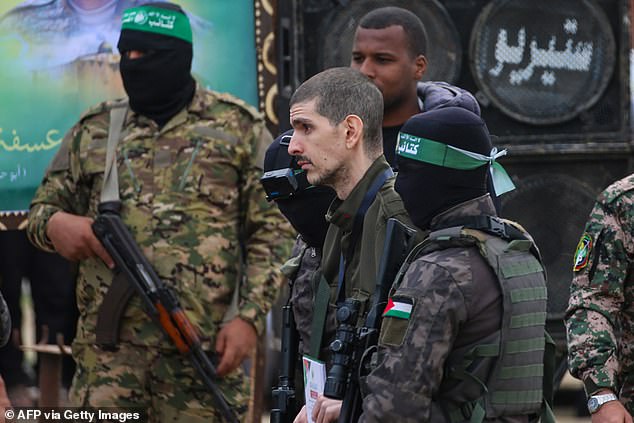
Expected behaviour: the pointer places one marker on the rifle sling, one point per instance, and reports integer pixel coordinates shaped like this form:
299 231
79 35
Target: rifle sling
112 307
110 188
322 299
120 291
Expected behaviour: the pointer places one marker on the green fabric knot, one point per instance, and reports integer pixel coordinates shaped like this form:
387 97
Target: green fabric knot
440 154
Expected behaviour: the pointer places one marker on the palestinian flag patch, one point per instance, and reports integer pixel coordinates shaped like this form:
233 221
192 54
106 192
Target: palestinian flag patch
399 307
582 254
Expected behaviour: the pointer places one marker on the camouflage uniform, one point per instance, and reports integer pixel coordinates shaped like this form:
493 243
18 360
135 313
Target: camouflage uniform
302 271
188 190
456 302
600 315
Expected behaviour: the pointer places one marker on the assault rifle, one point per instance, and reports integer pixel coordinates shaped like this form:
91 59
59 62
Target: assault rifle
159 301
284 407
353 345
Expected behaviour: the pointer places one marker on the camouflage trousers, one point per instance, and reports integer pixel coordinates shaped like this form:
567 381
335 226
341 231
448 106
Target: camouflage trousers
164 385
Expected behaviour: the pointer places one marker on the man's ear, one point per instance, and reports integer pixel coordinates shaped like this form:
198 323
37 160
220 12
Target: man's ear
421 66
354 131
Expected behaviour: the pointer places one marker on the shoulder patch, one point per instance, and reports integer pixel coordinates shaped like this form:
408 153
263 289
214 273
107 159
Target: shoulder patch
399 306
582 254
396 320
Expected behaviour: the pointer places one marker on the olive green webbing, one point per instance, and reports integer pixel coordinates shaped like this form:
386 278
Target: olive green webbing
476 413
525 345
513 372
521 268
529 294
516 397
521 367
528 319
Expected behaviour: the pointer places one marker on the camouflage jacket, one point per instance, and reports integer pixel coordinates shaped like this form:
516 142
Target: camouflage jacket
302 271
600 315
189 191
455 301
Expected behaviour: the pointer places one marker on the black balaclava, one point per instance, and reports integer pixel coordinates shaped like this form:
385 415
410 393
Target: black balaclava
428 189
306 210
159 84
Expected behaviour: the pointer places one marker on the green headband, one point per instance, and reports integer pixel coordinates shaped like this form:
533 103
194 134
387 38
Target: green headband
439 154
159 21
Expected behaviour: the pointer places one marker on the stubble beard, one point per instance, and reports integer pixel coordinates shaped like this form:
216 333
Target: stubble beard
329 178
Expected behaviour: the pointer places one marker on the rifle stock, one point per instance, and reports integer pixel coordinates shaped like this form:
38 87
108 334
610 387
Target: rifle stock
159 301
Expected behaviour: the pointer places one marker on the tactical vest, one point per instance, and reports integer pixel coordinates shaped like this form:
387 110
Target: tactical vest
503 374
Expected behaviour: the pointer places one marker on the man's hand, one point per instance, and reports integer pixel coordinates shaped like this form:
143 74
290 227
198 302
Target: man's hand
301 416
326 410
612 412
235 342
73 238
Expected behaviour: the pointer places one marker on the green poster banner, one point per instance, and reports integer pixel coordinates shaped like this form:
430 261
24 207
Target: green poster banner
59 57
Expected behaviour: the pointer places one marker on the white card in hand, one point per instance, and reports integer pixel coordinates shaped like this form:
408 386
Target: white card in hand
314 381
